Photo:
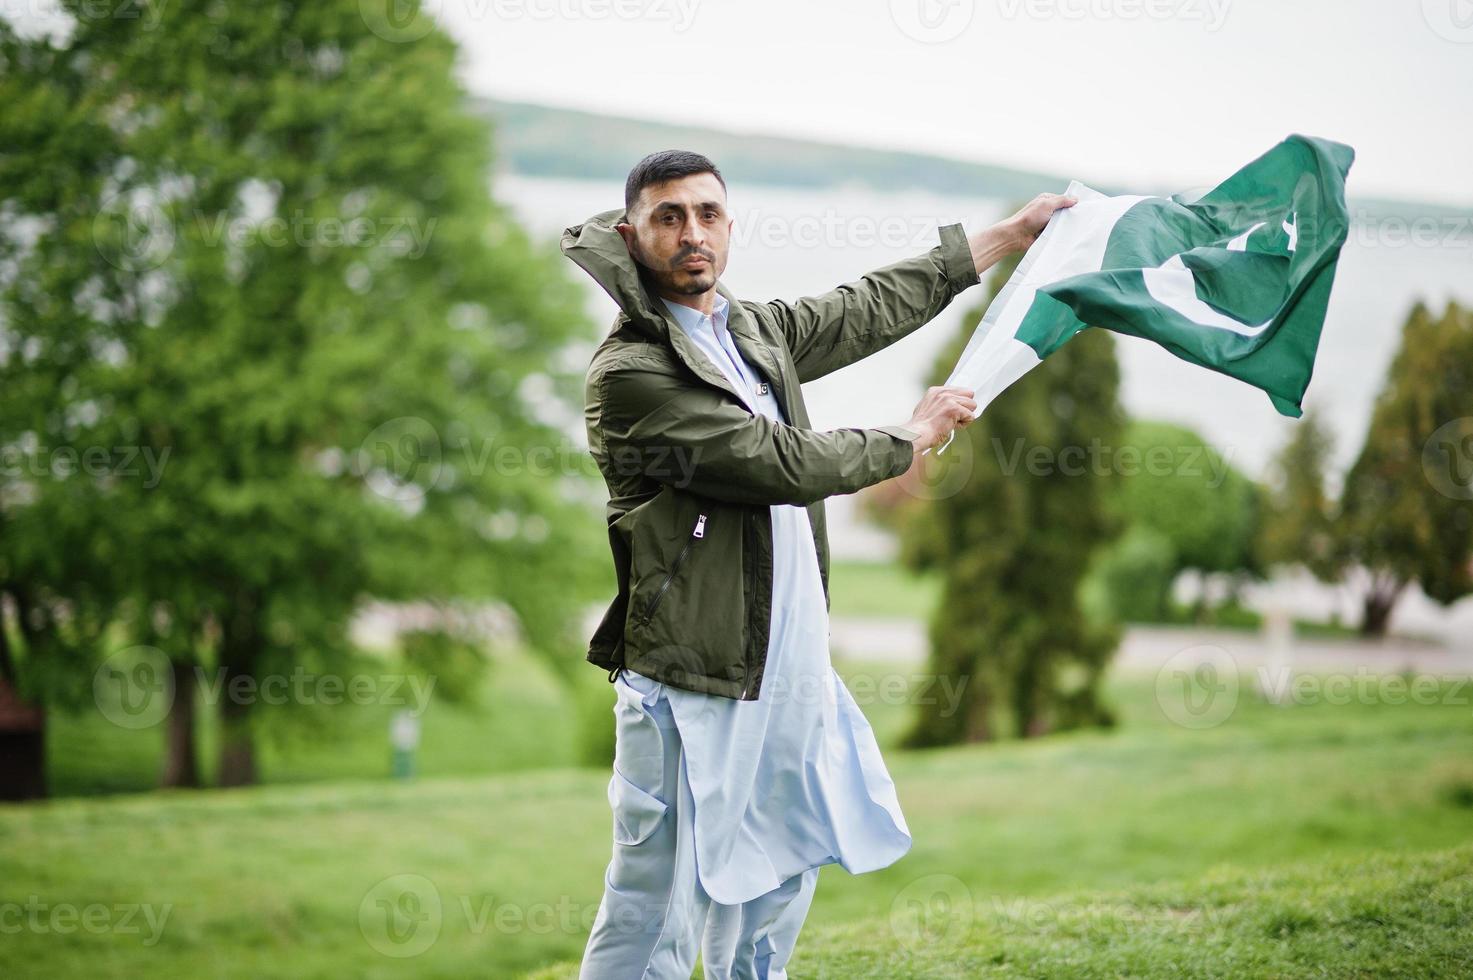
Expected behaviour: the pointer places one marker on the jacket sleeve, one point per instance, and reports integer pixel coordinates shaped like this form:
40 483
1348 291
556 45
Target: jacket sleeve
825 333
695 438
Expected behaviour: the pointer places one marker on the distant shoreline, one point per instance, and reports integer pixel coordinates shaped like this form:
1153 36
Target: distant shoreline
547 141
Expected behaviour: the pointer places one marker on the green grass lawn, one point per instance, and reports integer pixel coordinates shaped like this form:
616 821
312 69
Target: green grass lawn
1324 840
888 589
507 729
1379 916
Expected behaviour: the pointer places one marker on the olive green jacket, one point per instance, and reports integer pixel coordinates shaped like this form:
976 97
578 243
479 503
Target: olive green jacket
692 472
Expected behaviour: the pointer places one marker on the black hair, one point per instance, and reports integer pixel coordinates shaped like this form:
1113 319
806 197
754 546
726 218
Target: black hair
665 165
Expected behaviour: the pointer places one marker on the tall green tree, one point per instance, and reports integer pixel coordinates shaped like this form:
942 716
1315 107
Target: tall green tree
256 244
1407 505
1297 526
1011 515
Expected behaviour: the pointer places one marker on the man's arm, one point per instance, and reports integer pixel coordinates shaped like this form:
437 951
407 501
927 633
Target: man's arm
825 333
694 438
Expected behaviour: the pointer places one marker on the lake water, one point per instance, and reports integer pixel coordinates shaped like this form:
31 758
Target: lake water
794 242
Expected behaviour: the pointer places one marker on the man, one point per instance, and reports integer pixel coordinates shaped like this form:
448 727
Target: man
741 763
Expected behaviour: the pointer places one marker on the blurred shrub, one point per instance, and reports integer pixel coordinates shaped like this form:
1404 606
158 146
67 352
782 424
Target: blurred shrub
458 666
1130 580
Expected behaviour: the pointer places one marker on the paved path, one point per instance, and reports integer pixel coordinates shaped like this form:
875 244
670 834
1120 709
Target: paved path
1143 648
1148 648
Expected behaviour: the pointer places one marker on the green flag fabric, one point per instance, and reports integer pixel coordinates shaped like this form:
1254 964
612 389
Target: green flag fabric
1236 280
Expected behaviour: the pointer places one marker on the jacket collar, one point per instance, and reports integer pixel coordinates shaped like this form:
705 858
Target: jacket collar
598 249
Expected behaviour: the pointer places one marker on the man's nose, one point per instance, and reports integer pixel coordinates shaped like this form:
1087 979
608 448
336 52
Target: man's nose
692 233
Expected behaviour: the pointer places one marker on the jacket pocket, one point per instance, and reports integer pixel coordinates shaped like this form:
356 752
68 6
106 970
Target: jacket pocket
637 814
687 607
653 604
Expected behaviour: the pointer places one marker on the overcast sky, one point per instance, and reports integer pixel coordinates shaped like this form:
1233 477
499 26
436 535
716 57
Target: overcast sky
1165 94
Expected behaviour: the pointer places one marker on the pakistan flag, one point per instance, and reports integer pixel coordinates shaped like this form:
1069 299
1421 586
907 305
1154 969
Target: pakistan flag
1236 280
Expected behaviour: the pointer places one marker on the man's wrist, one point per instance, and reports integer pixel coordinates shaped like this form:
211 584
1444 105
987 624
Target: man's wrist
991 245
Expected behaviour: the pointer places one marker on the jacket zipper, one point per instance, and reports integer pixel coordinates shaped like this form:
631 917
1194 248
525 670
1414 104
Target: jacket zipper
699 532
752 591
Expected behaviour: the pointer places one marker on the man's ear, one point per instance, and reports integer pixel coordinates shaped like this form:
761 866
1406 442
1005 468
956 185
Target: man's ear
626 232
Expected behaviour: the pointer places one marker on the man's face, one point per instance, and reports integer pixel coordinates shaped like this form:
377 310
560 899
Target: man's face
680 232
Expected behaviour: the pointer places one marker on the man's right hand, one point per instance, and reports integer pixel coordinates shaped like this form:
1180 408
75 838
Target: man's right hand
940 411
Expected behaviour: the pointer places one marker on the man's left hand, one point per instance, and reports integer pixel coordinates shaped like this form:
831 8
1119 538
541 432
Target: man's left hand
1017 233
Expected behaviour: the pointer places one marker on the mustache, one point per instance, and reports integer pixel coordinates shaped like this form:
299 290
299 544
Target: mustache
689 251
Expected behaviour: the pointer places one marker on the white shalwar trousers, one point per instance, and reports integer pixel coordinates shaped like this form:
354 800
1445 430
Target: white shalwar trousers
655 915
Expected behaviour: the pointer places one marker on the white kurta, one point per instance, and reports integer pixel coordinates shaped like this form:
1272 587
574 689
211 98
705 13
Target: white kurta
793 780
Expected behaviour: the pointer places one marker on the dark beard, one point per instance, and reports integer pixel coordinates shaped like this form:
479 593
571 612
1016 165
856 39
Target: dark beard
694 286
675 280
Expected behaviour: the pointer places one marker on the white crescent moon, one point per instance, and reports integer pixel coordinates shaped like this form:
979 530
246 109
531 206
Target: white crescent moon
1173 286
